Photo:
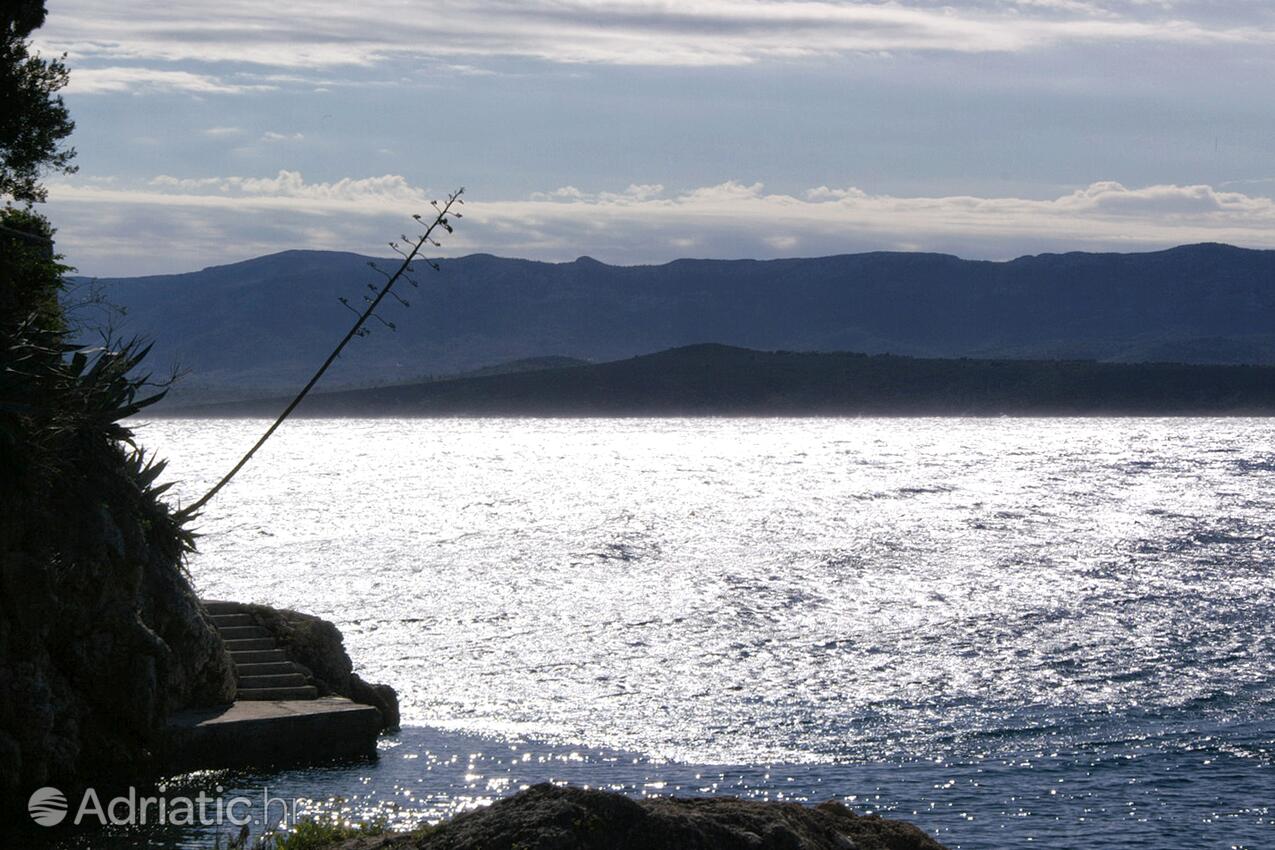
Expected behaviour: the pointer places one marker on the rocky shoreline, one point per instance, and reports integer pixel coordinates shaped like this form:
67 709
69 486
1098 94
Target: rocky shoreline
95 672
551 817
95 658
319 648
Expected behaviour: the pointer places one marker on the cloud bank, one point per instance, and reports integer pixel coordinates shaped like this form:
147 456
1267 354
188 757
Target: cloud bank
171 224
111 80
320 34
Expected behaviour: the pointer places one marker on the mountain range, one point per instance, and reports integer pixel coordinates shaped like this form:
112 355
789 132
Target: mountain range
262 325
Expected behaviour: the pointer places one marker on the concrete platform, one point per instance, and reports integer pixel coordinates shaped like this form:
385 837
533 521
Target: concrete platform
267 733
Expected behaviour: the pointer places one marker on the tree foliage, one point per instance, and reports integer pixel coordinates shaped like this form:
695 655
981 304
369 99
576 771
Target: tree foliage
30 274
63 449
34 122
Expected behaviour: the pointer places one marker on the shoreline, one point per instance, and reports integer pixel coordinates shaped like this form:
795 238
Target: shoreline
428 774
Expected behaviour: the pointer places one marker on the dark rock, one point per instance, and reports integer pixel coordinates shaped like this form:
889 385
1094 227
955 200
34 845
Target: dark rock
548 817
96 655
318 646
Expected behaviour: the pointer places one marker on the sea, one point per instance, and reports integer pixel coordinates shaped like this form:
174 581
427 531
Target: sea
1012 632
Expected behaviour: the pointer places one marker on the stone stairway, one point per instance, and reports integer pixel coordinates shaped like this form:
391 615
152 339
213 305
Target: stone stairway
262 669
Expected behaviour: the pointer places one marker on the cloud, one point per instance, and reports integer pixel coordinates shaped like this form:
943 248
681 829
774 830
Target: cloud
634 192
1165 202
176 224
271 136
318 34
139 80
287 189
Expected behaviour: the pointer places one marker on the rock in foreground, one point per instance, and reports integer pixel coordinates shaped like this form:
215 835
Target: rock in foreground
548 817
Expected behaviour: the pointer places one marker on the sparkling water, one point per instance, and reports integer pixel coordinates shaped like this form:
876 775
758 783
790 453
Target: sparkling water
1012 632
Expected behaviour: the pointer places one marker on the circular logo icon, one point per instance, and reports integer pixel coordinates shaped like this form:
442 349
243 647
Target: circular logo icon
47 807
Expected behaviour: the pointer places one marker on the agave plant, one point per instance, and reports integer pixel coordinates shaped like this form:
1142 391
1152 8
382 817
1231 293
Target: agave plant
63 441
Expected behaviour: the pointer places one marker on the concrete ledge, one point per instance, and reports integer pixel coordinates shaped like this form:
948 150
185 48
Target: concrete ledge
268 733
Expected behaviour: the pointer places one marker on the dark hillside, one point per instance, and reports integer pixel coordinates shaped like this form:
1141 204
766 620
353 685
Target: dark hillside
720 380
266 322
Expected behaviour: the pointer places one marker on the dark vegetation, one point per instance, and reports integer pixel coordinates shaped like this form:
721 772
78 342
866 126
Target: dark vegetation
263 323
720 380
100 634
34 122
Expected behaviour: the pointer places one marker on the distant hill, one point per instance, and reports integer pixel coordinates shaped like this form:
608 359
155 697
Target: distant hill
721 380
527 364
266 322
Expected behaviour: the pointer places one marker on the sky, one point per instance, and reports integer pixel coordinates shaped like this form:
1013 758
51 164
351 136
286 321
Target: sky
640 132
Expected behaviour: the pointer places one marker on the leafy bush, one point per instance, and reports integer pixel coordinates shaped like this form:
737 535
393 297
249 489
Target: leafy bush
30 276
309 834
315 834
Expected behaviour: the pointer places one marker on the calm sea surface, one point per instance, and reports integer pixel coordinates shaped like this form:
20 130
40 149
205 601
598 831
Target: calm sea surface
1013 632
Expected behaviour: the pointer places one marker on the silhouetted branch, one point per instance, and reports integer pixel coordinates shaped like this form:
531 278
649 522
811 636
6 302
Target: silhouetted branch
440 220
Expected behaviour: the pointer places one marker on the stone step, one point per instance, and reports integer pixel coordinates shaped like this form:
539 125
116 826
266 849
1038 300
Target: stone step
222 621
250 644
242 632
254 734
256 694
215 607
283 680
260 656
269 668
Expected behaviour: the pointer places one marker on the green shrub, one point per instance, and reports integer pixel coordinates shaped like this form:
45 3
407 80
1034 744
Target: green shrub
313 834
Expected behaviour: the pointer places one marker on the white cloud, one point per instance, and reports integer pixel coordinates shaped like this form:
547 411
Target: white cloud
635 192
134 79
271 136
175 224
286 189
318 33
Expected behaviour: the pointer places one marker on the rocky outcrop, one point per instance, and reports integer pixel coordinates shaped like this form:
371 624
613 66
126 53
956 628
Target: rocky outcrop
548 817
101 639
318 647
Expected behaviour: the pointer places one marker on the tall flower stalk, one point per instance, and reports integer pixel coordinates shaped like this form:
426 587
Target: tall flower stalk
410 250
